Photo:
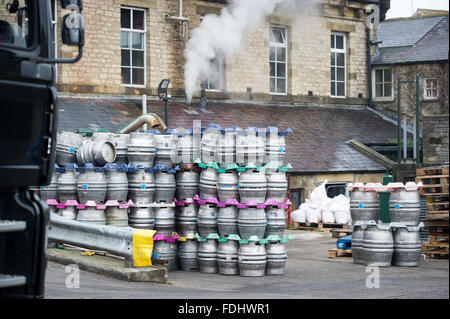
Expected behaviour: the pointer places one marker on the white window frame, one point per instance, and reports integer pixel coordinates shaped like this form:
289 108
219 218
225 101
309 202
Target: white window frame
374 85
131 30
425 88
344 51
221 67
279 45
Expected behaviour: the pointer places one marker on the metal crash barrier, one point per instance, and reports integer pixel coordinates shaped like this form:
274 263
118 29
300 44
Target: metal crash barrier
135 245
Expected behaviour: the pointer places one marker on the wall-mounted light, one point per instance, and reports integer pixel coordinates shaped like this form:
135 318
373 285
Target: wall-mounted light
162 87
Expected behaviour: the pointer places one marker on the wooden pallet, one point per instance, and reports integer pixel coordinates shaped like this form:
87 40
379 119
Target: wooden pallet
321 227
337 253
433 184
434 188
436 255
435 180
161 262
338 233
438 235
436 170
437 203
438 242
437 207
435 250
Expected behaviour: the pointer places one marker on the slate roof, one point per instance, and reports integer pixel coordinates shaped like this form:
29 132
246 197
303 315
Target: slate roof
318 143
92 114
412 40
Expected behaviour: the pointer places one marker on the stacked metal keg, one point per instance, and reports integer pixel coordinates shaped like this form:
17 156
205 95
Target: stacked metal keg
226 215
396 243
275 146
79 188
160 205
404 209
208 145
67 190
100 174
250 147
240 203
165 249
186 210
141 192
226 147
67 146
151 158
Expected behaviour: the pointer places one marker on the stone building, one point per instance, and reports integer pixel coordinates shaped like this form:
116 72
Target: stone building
320 92
113 64
410 47
435 140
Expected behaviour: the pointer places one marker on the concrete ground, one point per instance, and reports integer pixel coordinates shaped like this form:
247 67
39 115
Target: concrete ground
309 274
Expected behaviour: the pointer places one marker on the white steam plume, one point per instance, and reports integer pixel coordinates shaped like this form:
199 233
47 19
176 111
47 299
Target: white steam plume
222 35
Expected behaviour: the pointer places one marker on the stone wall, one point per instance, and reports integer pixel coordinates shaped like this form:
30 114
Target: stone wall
409 72
435 140
247 73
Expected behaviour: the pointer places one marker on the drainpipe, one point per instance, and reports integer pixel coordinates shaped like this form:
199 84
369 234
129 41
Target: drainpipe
417 143
184 21
369 44
144 108
399 109
369 67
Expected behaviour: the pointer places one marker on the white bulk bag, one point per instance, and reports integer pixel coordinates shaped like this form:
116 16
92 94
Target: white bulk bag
327 216
341 217
319 196
313 215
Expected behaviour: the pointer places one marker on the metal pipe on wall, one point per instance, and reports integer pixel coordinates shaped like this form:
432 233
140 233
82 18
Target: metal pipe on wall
184 21
144 108
399 89
415 141
417 130
369 67
405 138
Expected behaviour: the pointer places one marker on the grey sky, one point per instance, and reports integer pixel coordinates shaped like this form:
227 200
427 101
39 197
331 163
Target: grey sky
405 8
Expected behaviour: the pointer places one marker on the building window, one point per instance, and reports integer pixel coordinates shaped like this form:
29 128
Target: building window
278 60
132 42
383 83
338 65
335 189
430 89
214 81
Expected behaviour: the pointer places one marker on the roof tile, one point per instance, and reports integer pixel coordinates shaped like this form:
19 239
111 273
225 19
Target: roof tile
416 40
317 144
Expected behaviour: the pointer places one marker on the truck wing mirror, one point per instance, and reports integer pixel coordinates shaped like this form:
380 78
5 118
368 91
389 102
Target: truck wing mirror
72 32
65 4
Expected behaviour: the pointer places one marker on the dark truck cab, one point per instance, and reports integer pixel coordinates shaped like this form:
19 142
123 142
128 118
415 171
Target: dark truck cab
28 126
